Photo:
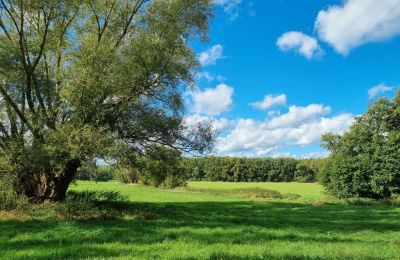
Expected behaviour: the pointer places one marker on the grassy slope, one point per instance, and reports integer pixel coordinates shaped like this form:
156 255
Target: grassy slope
200 226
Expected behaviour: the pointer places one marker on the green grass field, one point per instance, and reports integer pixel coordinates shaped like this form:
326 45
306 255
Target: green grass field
196 225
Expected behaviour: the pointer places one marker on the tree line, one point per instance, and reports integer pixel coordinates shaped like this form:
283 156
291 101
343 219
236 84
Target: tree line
233 169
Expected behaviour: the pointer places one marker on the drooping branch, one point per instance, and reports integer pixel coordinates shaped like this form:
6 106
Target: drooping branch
11 16
21 116
47 20
125 29
4 131
3 27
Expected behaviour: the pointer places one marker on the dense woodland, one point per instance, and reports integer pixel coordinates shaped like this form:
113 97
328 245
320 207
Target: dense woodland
230 169
233 169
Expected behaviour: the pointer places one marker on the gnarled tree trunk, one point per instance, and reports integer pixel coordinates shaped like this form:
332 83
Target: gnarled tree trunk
51 186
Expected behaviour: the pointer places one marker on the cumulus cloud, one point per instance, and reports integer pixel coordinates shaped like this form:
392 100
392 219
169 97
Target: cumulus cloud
212 101
381 88
298 115
211 56
270 101
231 7
300 126
301 43
357 22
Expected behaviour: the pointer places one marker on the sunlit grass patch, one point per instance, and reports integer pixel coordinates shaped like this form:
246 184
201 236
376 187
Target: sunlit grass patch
182 224
251 193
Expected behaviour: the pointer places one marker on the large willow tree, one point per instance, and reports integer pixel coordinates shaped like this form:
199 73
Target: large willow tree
87 79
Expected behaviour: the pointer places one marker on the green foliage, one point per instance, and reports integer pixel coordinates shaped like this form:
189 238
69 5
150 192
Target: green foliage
91 172
317 166
252 169
304 174
127 174
97 196
160 167
83 80
365 160
9 199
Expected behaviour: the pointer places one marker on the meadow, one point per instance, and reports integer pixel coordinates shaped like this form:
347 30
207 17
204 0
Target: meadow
192 223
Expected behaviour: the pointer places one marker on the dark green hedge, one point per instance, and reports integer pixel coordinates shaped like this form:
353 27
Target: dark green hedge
233 169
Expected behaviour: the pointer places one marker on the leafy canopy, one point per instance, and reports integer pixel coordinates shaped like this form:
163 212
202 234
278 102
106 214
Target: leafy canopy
81 80
365 160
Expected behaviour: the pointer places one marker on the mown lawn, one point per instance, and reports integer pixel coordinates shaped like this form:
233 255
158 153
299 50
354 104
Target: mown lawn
193 225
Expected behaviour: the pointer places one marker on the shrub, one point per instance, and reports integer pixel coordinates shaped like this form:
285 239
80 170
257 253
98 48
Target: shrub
92 172
95 196
9 199
161 167
104 173
127 174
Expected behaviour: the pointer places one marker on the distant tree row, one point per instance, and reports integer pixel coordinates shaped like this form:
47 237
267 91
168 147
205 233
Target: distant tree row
233 169
165 167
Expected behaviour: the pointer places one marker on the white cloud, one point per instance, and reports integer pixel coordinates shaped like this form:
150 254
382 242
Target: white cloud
357 22
205 75
212 101
381 88
303 44
298 115
231 7
312 155
209 77
300 126
211 56
273 113
270 101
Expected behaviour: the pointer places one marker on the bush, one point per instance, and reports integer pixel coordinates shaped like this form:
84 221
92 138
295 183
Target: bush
92 172
95 196
161 167
9 199
104 173
127 174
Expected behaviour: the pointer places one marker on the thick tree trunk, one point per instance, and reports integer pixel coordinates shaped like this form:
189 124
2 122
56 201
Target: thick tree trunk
51 187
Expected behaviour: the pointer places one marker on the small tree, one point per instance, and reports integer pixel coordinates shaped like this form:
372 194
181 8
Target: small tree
365 160
81 80
161 167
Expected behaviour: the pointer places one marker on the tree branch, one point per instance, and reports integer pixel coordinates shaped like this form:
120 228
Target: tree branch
9 100
129 21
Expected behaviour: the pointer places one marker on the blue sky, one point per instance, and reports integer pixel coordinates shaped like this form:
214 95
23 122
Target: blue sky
277 74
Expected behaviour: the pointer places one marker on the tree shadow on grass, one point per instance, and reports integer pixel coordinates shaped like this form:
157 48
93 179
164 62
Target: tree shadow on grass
201 223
